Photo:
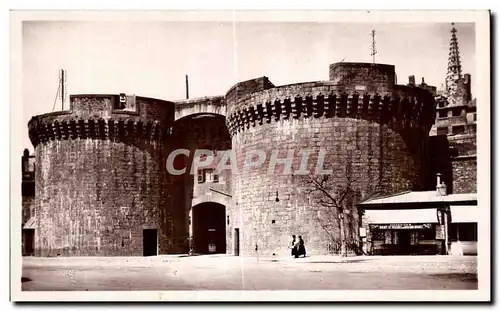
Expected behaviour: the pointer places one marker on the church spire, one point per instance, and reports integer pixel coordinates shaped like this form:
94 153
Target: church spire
454 72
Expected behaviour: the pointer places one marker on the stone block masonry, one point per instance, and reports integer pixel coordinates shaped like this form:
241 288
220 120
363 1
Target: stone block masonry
99 177
379 131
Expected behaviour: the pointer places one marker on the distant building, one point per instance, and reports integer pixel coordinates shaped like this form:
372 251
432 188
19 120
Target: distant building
28 203
453 136
442 221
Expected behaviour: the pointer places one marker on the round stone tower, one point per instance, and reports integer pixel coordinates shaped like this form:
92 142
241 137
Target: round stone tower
100 184
371 132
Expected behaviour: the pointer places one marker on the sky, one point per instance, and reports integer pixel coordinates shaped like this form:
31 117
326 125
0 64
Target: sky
151 59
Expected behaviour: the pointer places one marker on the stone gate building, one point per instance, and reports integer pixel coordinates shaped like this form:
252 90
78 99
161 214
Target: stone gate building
102 187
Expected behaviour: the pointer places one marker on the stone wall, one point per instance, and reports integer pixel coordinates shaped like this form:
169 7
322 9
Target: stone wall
97 204
363 76
454 156
379 157
197 132
464 175
381 138
100 177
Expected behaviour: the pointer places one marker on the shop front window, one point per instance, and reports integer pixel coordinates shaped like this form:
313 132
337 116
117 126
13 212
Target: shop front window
426 234
466 232
378 235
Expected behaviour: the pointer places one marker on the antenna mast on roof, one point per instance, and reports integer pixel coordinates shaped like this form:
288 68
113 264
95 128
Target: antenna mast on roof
62 86
61 89
374 49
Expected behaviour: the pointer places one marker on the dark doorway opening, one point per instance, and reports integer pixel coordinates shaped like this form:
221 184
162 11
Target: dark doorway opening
150 242
404 243
28 242
236 241
209 228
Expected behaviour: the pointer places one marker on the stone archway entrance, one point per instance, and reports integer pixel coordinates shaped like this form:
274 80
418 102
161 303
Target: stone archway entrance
209 228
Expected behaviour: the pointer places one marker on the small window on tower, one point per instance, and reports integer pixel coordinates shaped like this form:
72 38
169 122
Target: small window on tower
457 112
121 103
443 113
207 175
125 103
201 176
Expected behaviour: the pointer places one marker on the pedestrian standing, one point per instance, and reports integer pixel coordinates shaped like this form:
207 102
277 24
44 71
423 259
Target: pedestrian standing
292 246
301 249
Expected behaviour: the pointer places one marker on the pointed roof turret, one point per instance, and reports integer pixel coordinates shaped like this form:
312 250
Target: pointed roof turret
454 72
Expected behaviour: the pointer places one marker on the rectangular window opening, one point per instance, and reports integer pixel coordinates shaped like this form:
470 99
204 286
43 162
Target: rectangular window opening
442 130
458 129
443 113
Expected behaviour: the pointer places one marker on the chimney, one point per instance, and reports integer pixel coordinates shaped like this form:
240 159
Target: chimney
411 80
440 186
423 81
25 159
467 78
187 87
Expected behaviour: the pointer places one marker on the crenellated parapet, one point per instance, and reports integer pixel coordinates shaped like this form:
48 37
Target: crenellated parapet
42 130
401 108
102 117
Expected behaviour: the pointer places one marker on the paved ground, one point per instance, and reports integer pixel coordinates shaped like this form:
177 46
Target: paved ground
222 272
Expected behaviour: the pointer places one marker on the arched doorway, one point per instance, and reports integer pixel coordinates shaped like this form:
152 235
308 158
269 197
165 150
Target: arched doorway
209 228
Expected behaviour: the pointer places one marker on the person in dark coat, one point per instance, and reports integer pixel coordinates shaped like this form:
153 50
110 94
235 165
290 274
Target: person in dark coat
301 249
293 246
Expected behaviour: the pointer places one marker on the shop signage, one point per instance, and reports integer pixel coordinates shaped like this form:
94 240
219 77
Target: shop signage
440 233
401 226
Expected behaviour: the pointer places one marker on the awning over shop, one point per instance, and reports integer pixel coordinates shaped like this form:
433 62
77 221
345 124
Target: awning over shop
30 224
464 213
419 199
408 216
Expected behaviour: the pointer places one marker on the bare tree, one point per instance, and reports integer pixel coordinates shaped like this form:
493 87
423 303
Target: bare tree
335 204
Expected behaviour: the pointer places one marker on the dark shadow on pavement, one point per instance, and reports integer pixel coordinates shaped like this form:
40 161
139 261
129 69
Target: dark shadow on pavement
470 277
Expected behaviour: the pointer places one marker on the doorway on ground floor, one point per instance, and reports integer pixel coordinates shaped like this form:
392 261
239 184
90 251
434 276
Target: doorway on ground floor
209 228
150 242
404 242
236 241
28 242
